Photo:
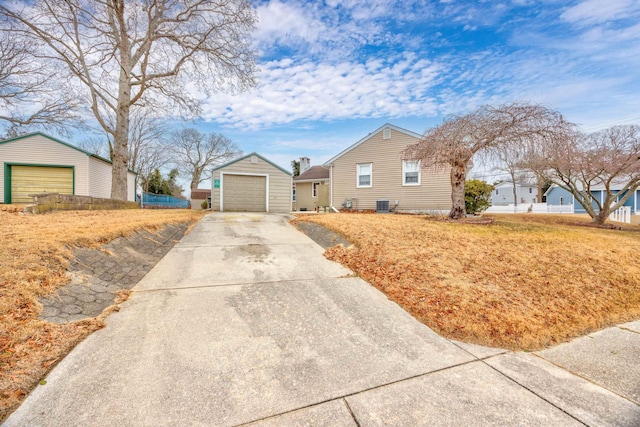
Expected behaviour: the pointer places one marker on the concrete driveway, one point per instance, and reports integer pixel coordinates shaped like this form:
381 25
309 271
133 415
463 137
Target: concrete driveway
244 321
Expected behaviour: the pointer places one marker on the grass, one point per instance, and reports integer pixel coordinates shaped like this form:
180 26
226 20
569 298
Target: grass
523 282
35 251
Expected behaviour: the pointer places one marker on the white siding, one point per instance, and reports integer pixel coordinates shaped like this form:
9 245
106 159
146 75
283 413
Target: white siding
433 193
99 178
92 177
279 183
40 150
131 186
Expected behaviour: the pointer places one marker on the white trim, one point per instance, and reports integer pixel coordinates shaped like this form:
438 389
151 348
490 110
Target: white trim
411 184
375 132
358 175
222 174
313 189
331 185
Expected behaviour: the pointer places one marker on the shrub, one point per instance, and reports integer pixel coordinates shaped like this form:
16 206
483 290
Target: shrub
477 196
204 204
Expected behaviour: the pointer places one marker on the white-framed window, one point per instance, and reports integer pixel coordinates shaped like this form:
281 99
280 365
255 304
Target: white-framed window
364 175
314 189
530 190
411 172
293 194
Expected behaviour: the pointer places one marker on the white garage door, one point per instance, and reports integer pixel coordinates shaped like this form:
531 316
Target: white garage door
244 193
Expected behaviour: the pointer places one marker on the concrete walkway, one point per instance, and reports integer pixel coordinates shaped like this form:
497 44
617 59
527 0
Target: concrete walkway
244 321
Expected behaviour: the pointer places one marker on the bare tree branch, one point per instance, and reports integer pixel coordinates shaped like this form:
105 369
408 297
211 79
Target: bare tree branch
27 98
194 151
458 139
607 161
159 54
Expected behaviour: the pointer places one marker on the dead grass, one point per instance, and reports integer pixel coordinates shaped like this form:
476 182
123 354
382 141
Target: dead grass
34 251
522 282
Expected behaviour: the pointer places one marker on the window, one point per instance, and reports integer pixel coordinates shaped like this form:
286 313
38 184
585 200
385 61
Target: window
314 189
293 194
364 171
497 192
411 172
530 190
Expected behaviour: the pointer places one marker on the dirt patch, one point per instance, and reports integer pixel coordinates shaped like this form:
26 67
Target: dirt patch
321 235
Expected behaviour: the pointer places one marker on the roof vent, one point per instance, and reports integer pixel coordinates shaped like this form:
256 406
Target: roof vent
386 133
382 206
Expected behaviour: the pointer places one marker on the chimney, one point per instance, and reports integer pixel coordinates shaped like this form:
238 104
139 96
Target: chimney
305 164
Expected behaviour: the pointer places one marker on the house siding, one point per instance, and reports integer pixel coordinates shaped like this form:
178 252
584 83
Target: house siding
555 193
433 194
280 184
99 178
504 194
304 195
40 150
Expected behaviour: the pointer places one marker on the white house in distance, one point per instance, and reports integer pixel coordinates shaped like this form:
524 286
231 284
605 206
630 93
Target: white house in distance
37 163
503 194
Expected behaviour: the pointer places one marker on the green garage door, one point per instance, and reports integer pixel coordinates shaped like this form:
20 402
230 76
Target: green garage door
27 180
244 193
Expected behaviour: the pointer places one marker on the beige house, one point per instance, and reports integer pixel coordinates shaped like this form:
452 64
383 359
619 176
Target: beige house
37 163
198 196
251 184
308 188
373 175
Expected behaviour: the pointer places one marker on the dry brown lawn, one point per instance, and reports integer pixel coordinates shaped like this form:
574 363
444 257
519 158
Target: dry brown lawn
522 282
34 254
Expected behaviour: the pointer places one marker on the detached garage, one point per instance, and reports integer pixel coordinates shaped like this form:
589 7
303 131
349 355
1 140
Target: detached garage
37 163
251 184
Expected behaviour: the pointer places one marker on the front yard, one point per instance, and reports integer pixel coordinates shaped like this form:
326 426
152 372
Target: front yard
35 251
523 282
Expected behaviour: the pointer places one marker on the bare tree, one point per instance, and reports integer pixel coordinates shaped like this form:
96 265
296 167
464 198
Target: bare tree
511 158
159 54
194 151
27 100
97 145
458 139
146 150
608 161
146 133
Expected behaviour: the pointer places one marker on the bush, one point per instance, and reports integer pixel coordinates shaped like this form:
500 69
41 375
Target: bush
477 196
204 204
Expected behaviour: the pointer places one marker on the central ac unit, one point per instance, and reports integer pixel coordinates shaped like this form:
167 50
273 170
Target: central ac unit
382 206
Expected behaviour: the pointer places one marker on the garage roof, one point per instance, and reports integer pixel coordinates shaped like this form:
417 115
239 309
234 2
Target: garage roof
247 156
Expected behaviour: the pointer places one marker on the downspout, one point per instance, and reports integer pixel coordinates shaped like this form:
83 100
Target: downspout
331 189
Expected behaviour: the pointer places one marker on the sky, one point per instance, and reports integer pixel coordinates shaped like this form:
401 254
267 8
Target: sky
333 71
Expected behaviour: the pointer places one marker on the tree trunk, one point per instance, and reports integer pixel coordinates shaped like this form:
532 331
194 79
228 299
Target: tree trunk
195 179
601 217
458 178
121 138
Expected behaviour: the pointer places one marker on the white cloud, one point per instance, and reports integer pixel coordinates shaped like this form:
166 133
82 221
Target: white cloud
390 87
599 11
285 23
